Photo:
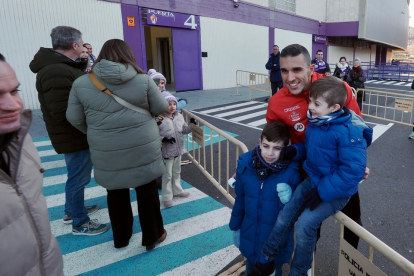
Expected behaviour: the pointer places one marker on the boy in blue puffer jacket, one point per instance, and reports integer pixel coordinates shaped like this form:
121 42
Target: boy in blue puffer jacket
264 183
335 152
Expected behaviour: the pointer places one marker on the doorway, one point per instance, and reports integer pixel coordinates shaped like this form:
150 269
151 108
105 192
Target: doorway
158 48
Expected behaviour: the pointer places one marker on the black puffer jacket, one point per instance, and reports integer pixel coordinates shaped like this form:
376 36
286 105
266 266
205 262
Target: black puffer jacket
55 76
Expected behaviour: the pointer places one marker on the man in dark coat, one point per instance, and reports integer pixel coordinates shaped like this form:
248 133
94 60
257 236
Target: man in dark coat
274 67
321 66
56 70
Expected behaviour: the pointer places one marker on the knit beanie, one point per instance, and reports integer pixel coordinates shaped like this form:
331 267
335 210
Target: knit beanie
169 97
156 76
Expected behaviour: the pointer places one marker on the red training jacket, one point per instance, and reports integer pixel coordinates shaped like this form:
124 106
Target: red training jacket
292 109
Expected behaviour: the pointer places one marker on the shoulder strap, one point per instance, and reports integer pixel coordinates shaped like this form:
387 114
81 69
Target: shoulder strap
101 87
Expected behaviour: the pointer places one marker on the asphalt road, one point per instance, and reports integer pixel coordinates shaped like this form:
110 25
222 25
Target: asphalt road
386 196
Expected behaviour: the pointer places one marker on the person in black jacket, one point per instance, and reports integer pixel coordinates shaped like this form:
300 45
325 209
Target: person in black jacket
274 67
341 69
56 71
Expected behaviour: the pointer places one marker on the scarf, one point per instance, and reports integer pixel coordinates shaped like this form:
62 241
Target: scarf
264 169
356 70
318 121
342 67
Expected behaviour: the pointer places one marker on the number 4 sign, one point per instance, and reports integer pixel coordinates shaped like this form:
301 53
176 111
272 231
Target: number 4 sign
191 22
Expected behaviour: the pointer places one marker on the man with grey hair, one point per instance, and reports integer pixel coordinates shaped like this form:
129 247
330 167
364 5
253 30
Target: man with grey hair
56 71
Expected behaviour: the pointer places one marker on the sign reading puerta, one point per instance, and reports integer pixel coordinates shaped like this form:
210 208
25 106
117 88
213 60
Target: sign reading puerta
169 19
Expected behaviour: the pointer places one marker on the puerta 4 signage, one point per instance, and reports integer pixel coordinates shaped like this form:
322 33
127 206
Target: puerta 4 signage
169 19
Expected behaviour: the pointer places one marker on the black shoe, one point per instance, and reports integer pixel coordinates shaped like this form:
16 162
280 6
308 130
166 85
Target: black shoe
260 269
160 240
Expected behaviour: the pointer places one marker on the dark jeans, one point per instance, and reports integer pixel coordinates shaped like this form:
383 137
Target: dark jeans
120 214
276 86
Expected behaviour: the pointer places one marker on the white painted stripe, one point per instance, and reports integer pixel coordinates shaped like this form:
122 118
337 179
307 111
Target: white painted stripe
399 83
237 123
42 143
227 107
379 82
408 84
47 152
54 164
59 199
237 111
104 254
370 81
207 265
59 228
57 179
258 123
249 116
379 130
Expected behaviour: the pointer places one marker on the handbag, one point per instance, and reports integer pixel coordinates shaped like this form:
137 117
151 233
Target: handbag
122 102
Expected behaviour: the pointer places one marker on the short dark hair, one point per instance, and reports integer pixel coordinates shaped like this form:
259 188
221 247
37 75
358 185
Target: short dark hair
275 46
84 44
331 89
63 37
294 50
276 131
319 51
342 58
2 58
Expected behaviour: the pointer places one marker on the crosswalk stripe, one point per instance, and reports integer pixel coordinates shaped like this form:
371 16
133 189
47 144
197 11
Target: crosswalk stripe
53 164
408 84
42 143
258 123
88 259
227 107
59 228
57 179
59 199
237 111
248 116
207 265
377 82
370 81
400 83
379 130
47 153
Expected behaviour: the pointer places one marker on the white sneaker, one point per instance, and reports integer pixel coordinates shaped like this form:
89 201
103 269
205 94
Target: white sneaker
411 135
310 272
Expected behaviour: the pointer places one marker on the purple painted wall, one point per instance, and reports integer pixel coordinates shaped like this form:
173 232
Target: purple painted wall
132 35
318 46
271 39
342 28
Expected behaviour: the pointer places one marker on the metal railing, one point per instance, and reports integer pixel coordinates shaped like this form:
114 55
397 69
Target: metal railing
213 165
254 81
387 106
199 155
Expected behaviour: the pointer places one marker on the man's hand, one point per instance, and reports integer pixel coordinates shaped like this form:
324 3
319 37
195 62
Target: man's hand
366 173
287 153
312 199
193 121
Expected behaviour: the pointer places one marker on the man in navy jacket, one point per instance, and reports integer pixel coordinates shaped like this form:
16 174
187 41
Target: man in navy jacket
274 67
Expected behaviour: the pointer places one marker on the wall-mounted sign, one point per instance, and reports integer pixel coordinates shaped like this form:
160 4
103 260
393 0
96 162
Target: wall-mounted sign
169 19
131 21
319 39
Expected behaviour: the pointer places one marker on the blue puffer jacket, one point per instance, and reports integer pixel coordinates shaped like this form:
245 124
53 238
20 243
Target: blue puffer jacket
275 74
336 155
257 207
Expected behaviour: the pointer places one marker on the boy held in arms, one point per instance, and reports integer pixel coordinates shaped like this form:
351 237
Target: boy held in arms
171 130
264 183
335 152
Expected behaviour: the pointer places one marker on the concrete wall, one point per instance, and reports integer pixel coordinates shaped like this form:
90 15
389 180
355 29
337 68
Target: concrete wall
264 3
343 11
284 38
336 52
315 9
231 46
26 27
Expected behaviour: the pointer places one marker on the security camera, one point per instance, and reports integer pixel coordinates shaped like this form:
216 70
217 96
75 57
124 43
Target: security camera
235 1
236 5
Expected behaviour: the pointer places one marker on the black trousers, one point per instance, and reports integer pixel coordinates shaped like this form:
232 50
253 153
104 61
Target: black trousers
276 86
120 214
353 210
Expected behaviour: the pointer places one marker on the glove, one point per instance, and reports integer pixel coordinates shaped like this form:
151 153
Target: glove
312 199
236 238
261 269
287 153
284 191
355 76
193 121
168 140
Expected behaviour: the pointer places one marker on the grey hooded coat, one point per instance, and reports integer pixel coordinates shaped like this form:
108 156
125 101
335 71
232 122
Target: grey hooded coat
125 145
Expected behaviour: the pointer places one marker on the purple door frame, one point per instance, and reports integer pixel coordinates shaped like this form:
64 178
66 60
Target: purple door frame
186 53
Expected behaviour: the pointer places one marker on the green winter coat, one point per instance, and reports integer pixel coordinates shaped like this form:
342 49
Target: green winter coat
55 76
125 145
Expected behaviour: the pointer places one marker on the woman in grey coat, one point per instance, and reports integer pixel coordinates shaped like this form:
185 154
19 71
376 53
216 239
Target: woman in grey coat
125 144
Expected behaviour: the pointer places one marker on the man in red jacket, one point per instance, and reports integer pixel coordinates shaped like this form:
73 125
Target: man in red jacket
290 106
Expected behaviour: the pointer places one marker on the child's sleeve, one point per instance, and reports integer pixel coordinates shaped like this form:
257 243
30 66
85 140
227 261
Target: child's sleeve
187 128
296 180
343 182
237 214
300 151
